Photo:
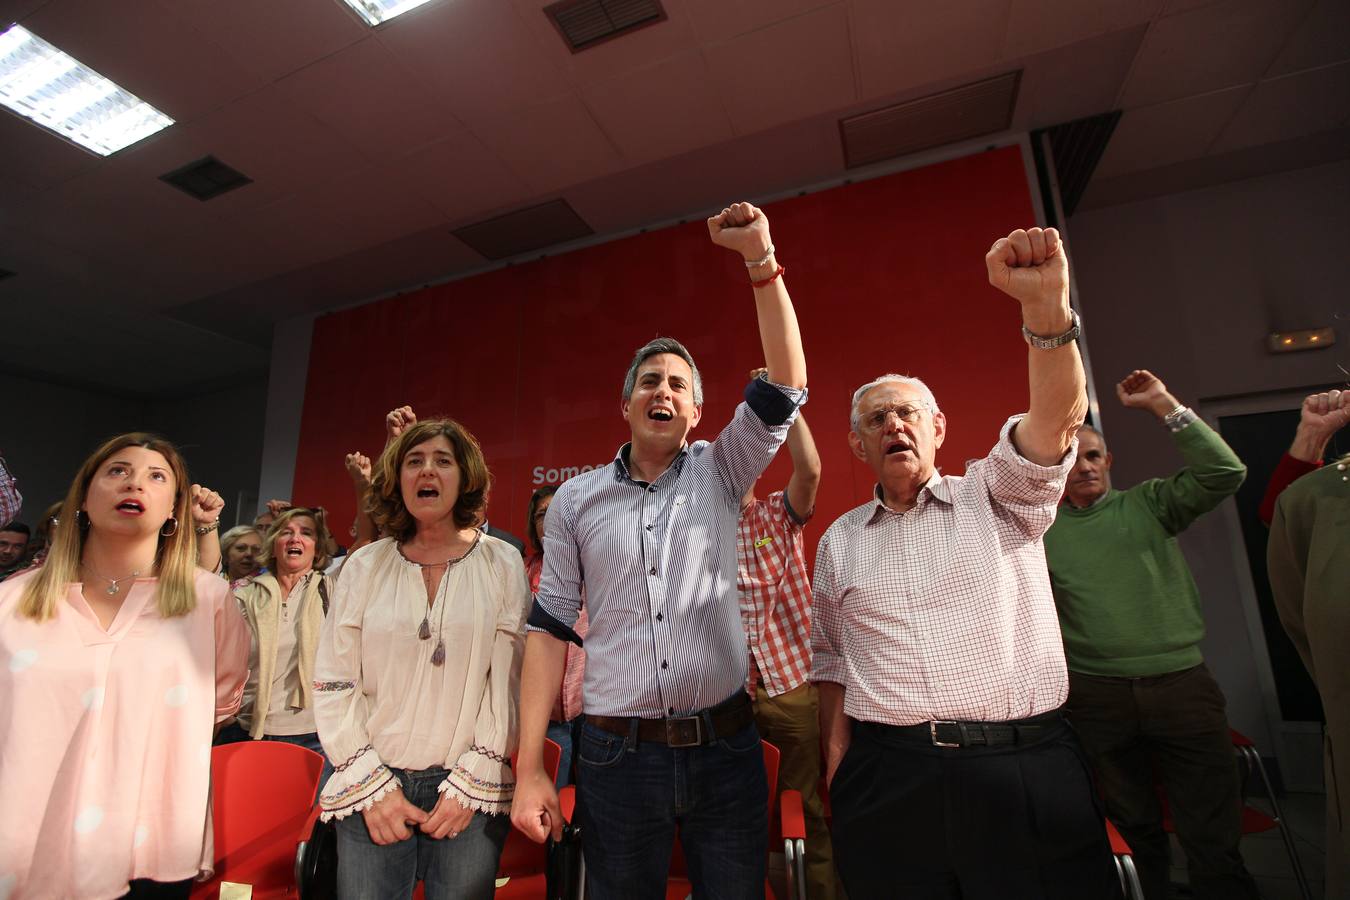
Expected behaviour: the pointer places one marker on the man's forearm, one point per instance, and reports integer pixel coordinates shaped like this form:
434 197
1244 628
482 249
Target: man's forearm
1310 444
836 732
540 679
778 331
1058 403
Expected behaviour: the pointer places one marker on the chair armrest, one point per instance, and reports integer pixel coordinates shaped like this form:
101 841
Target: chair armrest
567 800
790 813
1239 739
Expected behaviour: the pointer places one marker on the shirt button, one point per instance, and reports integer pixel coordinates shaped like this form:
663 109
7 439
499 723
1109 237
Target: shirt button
670 711
651 490
664 664
653 570
649 527
659 617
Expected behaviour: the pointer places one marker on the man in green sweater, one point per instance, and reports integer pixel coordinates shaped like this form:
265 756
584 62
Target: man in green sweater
1140 697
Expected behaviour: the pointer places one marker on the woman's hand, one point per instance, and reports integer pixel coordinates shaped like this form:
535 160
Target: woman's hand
448 819
388 820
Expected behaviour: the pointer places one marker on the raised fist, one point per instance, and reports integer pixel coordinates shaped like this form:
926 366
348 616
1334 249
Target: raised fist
1141 389
743 228
1326 413
207 505
277 507
755 373
1030 266
397 420
358 467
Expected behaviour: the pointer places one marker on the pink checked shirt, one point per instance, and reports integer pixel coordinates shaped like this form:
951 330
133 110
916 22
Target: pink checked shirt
945 611
569 703
775 595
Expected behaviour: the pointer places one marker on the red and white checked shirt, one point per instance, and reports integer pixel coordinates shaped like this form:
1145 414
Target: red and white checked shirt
775 594
945 611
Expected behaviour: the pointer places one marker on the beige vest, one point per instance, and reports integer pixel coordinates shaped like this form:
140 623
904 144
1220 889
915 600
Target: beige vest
260 601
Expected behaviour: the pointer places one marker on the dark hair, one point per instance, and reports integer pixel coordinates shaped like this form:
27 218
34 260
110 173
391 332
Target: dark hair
656 348
531 530
385 503
18 527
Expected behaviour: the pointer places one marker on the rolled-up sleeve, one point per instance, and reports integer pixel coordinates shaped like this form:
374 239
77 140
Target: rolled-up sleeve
558 602
827 659
746 446
1026 492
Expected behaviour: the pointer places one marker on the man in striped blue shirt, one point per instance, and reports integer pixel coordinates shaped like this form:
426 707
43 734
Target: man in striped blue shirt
669 739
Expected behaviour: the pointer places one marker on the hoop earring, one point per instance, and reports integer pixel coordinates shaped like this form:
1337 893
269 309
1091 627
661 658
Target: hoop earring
81 520
172 524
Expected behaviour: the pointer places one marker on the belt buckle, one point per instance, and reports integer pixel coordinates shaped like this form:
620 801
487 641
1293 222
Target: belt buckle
932 734
677 736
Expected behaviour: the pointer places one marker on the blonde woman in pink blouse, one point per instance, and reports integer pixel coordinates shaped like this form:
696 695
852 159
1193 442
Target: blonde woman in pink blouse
417 677
117 659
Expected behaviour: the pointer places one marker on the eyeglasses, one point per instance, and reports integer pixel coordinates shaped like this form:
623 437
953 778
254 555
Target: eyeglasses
908 413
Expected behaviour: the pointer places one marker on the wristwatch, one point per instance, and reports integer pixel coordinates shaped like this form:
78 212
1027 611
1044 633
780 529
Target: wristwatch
1059 340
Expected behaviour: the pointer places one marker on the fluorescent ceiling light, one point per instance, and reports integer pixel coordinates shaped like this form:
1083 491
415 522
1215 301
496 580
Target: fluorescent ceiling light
58 92
377 11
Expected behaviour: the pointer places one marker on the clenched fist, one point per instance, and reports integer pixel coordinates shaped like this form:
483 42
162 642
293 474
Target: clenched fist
1141 389
743 228
207 505
358 467
1030 266
396 420
1326 413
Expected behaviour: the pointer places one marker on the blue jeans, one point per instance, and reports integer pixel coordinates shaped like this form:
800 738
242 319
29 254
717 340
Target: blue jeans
460 868
564 735
633 796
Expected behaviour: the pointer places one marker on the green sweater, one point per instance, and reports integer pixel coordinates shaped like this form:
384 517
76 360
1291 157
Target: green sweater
1128 605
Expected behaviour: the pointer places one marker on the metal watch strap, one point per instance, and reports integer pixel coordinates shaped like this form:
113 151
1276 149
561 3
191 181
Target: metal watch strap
1059 340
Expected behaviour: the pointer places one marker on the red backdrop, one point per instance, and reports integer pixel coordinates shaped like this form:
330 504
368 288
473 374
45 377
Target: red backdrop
886 275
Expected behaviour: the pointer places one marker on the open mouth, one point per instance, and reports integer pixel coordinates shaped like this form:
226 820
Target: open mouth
660 415
130 506
427 493
295 552
898 447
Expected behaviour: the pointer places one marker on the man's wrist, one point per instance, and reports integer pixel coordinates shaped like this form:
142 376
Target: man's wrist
1047 320
1164 405
1309 444
765 265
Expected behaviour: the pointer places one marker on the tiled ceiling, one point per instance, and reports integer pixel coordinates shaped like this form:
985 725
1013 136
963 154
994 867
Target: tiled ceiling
369 147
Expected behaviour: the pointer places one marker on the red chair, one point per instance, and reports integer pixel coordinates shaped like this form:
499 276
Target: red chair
1125 871
1255 821
261 793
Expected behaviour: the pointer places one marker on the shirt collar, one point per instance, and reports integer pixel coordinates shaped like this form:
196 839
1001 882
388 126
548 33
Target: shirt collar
936 486
621 472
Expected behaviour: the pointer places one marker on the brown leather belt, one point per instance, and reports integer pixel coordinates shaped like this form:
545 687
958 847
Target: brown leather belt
726 718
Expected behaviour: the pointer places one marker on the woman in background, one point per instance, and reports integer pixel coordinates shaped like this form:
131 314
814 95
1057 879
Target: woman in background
118 658
240 549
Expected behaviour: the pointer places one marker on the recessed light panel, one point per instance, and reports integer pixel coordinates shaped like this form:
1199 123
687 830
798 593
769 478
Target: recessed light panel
377 11
58 92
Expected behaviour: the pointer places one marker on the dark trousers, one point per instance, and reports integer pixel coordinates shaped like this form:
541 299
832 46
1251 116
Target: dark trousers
1170 730
632 796
920 822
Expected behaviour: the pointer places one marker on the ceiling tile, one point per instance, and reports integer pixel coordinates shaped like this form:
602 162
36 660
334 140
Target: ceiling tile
372 103
146 50
764 82
1038 25
1323 38
663 110
1239 41
1290 107
39 158
550 145
480 57
612 58
272 39
901 48
458 176
1169 132
718 20
1076 81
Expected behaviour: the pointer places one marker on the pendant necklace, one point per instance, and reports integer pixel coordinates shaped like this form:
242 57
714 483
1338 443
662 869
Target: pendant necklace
424 630
114 584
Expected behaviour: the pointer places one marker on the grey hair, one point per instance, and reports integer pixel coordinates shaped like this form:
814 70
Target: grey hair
655 348
229 538
929 400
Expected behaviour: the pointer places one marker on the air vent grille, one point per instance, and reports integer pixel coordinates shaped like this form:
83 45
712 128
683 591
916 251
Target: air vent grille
525 230
982 107
1078 147
585 23
206 178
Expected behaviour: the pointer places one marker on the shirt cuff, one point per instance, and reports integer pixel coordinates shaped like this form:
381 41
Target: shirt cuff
356 785
481 779
541 620
1006 451
828 667
773 403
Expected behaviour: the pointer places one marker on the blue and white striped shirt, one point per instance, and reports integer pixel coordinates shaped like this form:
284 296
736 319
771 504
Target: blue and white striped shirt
659 566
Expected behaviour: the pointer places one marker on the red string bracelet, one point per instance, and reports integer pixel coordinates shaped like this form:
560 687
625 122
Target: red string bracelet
768 281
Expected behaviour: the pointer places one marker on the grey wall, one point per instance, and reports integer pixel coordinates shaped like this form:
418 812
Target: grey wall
48 430
1188 286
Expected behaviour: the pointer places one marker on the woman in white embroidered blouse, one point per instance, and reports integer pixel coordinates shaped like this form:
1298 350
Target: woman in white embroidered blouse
417 678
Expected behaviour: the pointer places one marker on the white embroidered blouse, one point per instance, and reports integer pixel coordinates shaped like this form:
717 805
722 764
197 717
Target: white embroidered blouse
380 702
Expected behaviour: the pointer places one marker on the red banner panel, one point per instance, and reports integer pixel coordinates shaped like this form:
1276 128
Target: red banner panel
887 276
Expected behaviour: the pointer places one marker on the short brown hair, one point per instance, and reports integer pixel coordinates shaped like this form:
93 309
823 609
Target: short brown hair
324 545
385 503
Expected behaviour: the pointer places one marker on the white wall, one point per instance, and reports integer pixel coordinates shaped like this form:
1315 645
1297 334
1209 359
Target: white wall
1188 286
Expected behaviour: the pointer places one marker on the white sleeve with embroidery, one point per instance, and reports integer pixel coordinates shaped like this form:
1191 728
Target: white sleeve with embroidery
359 776
481 777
